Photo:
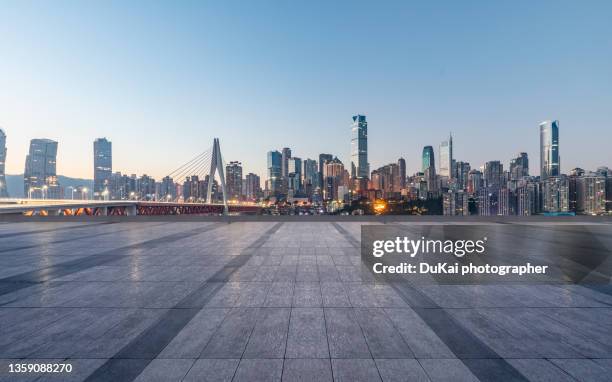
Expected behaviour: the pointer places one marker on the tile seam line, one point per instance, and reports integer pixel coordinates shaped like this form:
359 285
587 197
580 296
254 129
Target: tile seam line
357 245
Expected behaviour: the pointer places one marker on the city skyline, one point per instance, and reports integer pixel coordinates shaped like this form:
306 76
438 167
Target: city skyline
417 164
175 84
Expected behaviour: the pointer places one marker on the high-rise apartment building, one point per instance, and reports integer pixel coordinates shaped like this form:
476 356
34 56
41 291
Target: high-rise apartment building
556 194
333 175
103 168
253 186
550 161
591 194
493 173
3 186
40 174
446 157
359 147
233 180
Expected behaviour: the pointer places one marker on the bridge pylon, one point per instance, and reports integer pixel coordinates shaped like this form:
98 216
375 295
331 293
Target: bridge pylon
216 164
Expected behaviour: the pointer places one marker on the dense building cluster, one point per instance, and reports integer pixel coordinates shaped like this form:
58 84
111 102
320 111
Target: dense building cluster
453 187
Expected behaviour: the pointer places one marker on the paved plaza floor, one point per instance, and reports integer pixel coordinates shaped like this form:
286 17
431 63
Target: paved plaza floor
271 301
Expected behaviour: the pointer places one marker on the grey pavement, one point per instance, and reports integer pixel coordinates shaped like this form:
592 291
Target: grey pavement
272 301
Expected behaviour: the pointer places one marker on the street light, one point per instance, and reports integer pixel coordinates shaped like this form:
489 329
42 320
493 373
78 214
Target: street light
45 187
85 191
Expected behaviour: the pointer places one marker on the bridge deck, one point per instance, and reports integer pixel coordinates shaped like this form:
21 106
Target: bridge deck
263 301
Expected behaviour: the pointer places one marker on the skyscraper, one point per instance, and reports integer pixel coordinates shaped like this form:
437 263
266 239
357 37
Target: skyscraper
493 173
103 166
333 172
322 159
253 186
446 157
429 169
462 170
40 174
310 176
233 176
286 154
274 172
3 188
359 147
519 167
428 158
550 161
401 164
556 194
295 174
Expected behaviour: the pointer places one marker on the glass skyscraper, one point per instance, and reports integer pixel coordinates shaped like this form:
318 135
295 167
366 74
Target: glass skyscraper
274 172
428 158
3 188
359 147
446 157
103 166
549 149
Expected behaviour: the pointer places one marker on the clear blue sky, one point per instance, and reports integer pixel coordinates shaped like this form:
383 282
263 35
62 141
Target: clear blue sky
161 79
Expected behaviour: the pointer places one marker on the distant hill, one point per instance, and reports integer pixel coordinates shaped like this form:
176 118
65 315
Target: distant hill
15 184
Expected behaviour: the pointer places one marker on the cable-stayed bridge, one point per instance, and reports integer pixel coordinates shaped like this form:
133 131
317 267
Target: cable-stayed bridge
203 166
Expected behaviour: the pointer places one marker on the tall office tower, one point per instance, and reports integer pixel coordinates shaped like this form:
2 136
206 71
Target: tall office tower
322 159
428 158
429 169
591 194
550 161
310 176
295 174
401 164
40 175
103 167
359 147
474 181
3 188
462 170
233 177
493 173
274 173
446 157
286 154
556 194
253 186
519 167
